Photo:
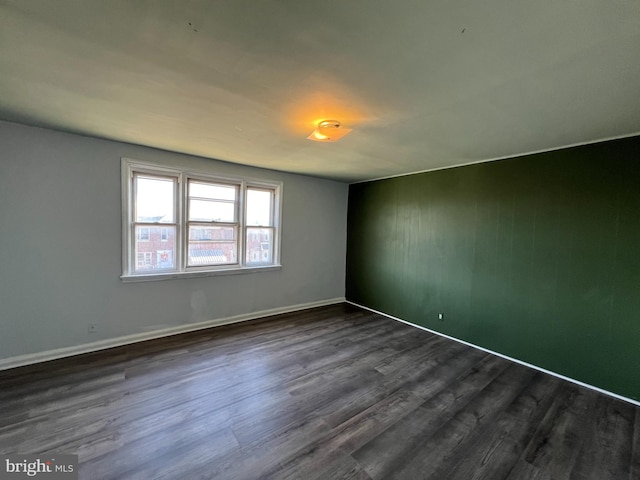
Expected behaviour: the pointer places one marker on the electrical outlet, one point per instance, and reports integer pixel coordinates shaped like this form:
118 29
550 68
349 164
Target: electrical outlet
441 317
93 328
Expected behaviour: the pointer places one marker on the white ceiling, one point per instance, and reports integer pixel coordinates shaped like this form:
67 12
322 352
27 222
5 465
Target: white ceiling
423 84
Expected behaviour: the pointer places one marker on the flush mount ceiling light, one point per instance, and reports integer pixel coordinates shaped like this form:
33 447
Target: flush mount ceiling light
328 131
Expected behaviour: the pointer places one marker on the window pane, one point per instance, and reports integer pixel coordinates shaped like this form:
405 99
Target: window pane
211 211
155 248
212 245
259 245
155 200
259 207
212 191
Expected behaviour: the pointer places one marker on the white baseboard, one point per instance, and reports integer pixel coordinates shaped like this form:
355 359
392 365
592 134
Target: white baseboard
568 379
21 360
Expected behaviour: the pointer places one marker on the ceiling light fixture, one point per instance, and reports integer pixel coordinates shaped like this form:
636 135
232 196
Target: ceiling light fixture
328 131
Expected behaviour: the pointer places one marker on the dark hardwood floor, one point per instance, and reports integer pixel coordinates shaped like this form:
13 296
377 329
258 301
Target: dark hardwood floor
328 393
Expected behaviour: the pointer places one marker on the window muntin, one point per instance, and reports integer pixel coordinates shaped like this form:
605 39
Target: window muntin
180 222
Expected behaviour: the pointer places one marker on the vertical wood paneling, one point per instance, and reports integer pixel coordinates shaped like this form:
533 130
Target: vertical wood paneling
535 257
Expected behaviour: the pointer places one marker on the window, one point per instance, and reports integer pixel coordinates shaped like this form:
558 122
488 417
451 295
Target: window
143 260
212 223
260 227
143 234
178 223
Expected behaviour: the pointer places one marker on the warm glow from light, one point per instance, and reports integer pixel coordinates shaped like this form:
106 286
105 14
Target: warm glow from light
328 131
325 99
318 136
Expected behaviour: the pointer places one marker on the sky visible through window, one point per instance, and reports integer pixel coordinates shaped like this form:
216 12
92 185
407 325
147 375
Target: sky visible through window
155 202
155 199
258 207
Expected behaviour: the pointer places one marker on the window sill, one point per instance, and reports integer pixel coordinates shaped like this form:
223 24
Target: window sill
154 277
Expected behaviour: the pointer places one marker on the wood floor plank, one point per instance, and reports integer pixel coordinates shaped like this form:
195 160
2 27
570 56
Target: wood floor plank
326 393
559 438
634 469
448 444
388 452
340 441
264 461
495 452
344 469
407 358
525 471
423 381
254 430
608 444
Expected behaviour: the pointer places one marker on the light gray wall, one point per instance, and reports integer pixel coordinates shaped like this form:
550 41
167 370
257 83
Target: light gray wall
60 246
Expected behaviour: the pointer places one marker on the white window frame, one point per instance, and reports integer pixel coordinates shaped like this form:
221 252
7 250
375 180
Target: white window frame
198 225
131 167
271 226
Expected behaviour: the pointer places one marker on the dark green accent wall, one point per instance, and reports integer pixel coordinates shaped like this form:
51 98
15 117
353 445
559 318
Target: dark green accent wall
535 257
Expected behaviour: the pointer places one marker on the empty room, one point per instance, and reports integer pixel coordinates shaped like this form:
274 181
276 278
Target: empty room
281 239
